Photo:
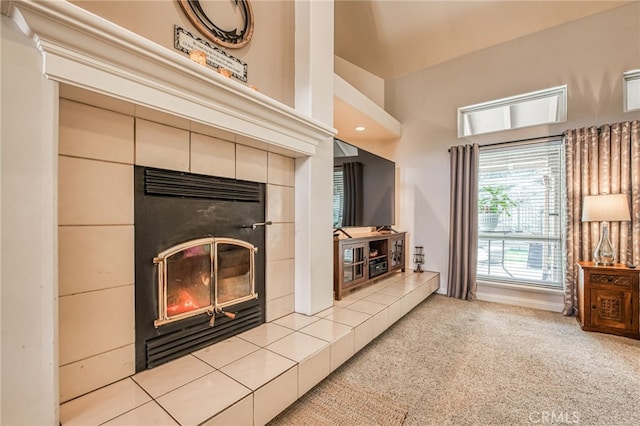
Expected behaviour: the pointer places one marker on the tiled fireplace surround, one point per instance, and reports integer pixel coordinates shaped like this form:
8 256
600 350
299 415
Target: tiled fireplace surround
247 379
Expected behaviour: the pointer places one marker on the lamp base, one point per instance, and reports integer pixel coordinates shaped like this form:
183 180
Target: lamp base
604 254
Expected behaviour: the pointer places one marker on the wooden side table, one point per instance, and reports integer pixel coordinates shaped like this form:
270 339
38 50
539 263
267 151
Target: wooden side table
608 299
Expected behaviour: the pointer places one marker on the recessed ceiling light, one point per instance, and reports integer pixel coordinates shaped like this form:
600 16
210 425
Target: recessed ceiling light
359 129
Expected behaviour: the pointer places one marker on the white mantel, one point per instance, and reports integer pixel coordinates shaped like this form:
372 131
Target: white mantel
52 42
87 51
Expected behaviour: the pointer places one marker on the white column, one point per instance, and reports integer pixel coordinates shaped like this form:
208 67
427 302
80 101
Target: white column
28 228
313 191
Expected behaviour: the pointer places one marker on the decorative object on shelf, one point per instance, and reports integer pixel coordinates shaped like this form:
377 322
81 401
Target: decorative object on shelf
605 209
418 258
198 56
216 57
201 16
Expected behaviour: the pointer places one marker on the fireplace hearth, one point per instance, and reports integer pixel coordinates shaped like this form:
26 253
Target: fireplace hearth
200 262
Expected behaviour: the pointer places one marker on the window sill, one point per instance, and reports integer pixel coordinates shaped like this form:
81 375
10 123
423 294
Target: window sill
522 287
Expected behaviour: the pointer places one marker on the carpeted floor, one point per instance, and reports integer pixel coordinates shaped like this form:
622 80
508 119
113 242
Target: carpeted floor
452 362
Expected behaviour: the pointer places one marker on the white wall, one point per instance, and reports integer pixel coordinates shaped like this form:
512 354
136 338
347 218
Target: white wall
588 55
29 271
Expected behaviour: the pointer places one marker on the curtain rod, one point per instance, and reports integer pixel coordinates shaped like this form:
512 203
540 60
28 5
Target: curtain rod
517 141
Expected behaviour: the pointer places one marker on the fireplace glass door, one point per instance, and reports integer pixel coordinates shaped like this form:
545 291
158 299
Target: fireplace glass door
203 275
234 272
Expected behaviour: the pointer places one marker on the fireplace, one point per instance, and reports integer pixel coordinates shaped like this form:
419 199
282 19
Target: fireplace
199 243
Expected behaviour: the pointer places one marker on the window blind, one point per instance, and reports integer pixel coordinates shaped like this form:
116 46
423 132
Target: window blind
520 213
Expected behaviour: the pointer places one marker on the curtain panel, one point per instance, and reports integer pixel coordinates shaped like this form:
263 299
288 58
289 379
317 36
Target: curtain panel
600 160
463 221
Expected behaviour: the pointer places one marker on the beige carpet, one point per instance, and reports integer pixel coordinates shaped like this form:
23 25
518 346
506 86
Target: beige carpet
338 402
452 362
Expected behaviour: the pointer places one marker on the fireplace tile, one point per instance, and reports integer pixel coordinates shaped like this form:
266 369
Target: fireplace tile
84 328
348 317
109 367
345 301
280 241
313 370
363 334
280 279
296 321
161 146
281 170
170 376
251 164
280 203
213 157
297 346
226 352
258 368
380 322
104 404
240 413
328 311
265 334
156 116
280 307
186 405
203 129
148 414
83 251
327 330
275 396
367 307
94 192
381 299
342 349
83 133
397 290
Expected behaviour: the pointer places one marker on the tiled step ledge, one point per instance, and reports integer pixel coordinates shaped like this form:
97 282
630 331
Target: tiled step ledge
250 378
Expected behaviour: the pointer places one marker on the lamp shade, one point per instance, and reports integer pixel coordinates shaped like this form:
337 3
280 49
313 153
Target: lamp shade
610 208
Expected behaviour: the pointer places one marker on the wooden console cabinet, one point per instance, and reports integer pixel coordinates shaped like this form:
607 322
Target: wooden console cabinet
608 299
359 260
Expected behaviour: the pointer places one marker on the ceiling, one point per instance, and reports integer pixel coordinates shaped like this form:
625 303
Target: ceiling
389 38
393 37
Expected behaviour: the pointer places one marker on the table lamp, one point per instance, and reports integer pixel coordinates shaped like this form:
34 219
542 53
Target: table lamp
605 209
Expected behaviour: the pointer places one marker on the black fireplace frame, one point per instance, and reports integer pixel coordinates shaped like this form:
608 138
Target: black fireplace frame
172 207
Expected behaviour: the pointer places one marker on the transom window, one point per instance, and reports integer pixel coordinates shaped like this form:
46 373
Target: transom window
520 213
530 109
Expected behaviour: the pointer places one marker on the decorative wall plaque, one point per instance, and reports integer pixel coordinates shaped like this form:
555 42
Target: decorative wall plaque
203 18
215 57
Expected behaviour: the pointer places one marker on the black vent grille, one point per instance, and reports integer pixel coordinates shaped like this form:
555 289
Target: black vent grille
180 184
182 342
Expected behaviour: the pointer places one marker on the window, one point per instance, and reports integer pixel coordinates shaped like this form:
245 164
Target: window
631 90
530 109
520 213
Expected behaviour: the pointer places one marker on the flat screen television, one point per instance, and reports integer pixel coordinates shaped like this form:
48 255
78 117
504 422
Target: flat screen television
363 188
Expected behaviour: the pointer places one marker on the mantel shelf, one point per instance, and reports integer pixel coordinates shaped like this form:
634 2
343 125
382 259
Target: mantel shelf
87 51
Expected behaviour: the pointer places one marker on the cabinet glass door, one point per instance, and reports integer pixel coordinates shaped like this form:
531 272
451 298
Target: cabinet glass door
354 263
397 251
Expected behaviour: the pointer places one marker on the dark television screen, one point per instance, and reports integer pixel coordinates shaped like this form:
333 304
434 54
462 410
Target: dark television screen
363 187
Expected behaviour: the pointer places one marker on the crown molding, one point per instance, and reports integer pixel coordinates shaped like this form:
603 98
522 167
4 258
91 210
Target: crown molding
87 51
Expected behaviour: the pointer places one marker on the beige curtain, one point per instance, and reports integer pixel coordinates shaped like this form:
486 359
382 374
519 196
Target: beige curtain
463 222
604 160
